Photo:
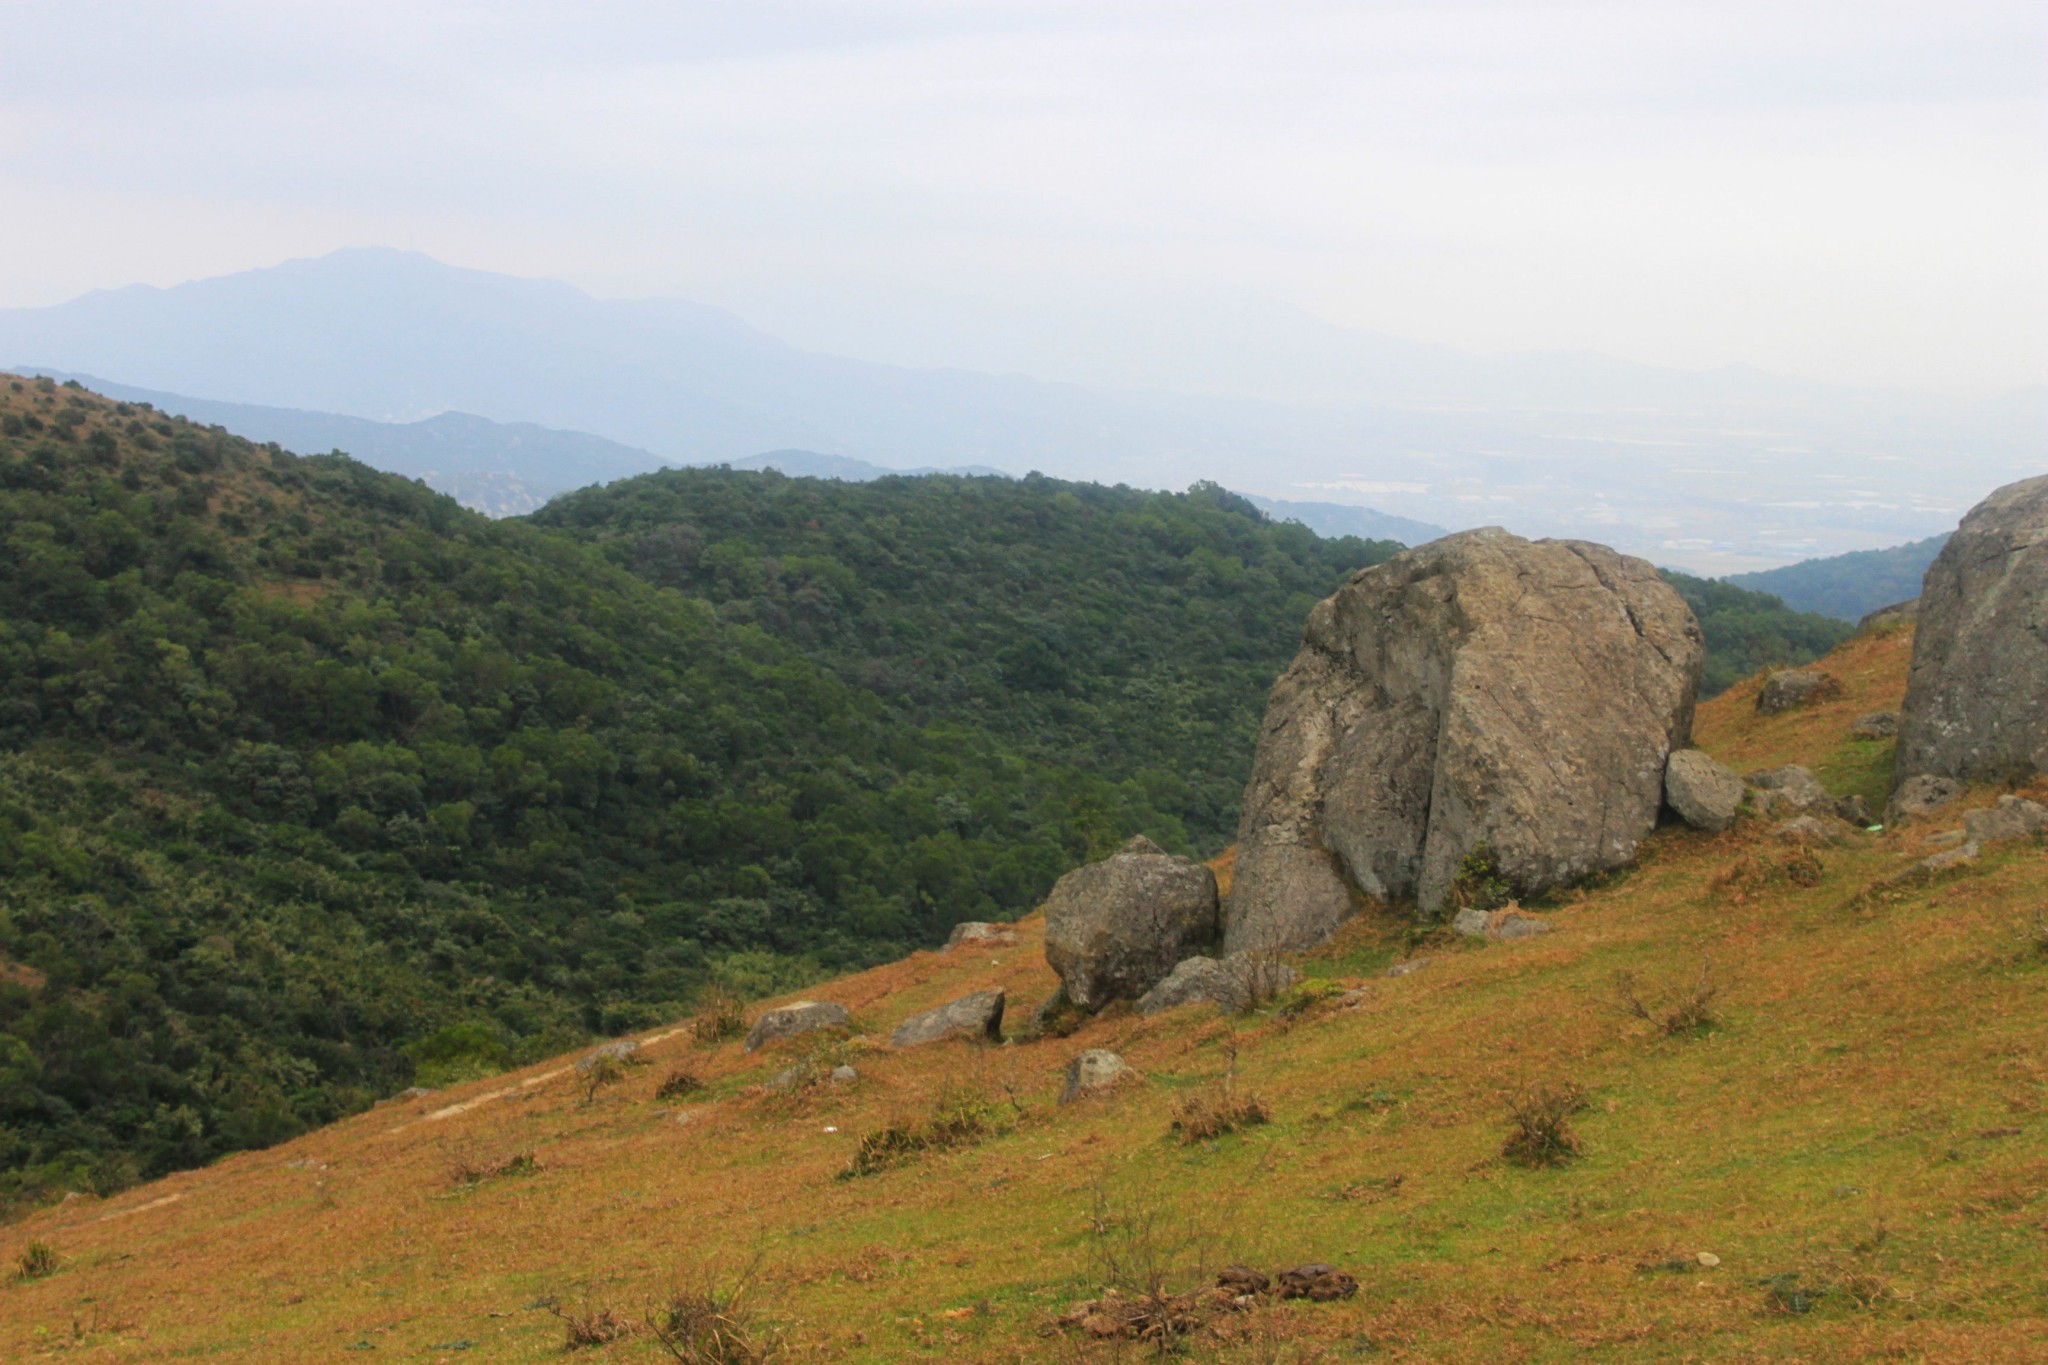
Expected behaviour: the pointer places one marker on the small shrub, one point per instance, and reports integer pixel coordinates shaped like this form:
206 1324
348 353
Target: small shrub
590 1326
605 1067
1541 1132
1305 995
678 1084
960 1118
467 1168
709 1323
1479 884
38 1260
1789 1293
1204 1118
723 1015
1693 1012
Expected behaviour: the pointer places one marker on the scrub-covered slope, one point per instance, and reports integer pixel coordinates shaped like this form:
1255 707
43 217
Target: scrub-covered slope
1839 1159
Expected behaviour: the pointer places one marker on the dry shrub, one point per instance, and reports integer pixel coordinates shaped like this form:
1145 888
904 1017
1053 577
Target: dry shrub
678 1084
38 1260
961 1117
714 1323
1541 1130
1206 1117
591 1325
468 1167
1757 871
1692 1012
722 1015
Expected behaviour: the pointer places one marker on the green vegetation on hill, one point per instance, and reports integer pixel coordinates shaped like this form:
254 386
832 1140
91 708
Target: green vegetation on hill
1849 587
1124 632
1748 631
312 782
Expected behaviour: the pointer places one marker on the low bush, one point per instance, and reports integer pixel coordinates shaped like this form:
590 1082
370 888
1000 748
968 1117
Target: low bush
468 1168
1690 1013
678 1084
38 1260
722 1015
1206 1117
1541 1130
713 1323
961 1117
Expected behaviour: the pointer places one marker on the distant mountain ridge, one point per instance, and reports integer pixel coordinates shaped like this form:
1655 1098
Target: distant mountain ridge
1346 519
1851 586
812 464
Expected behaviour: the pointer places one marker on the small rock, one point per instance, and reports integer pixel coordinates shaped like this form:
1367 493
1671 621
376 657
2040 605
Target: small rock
618 1050
1876 725
1242 1279
1498 925
801 1016
415 1092
1854 810
1807 830
979 1015
2015 817
1947 838
1708 1259
1954 858
981 934
1790 790
1921 796
1318 1283
1792 687
1413 964
1705 793
1094 1070
843 1075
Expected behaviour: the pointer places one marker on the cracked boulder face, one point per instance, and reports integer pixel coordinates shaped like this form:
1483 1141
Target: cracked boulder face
1977 698
1114 929
1479 695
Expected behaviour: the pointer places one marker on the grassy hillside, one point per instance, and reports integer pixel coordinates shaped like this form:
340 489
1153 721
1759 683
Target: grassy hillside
1851 586
1843 1163
312 783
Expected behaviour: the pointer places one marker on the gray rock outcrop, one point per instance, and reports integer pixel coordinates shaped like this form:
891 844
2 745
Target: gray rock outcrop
1234 983
1114 929
1479 690
981 934
1500 926
1918 797
2014 817
979 1015
800 1016
619 1050
1976 705
1790 790
1876 725
1812 831
1093 1071
1790 687
1705 793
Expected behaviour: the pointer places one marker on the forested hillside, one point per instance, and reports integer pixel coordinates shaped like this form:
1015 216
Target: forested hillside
1128 632
1851 586
1747 631
312 782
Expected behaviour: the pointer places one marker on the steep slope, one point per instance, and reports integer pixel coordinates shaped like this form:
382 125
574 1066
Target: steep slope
1844 1164
311 781
1851 586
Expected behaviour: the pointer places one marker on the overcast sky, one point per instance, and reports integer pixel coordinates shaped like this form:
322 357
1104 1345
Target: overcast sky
1853 191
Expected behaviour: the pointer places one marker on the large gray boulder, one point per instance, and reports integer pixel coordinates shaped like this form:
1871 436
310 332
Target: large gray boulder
979 1015
799 1016
1114 929
1976 705
1706 793
1479 690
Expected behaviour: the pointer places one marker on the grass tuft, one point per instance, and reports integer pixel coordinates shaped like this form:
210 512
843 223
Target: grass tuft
38 1261
723 1015
1541 1131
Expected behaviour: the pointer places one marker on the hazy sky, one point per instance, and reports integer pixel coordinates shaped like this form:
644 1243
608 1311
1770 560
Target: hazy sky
1854 191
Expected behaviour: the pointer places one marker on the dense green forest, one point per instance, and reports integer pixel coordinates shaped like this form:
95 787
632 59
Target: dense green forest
313 785
1849 587
1127 632
1747 631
